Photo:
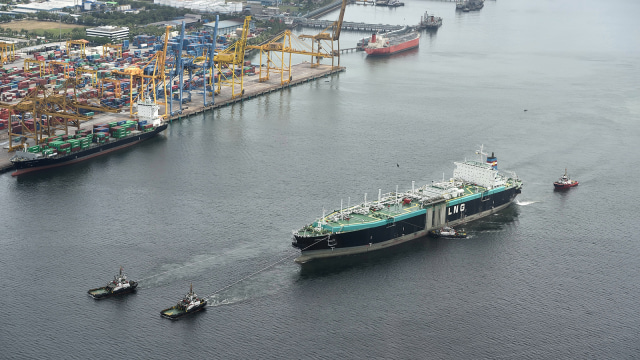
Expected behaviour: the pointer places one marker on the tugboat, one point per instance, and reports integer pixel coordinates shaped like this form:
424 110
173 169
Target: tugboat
189 304
447 232
565 182
430 22
119 285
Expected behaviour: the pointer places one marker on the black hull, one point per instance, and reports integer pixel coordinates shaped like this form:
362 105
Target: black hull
128 290
375 238
95 150
182 313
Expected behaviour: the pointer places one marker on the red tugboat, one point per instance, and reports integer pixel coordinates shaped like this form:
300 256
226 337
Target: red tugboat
564 182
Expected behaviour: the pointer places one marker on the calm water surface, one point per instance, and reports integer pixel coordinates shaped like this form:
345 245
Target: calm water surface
214 199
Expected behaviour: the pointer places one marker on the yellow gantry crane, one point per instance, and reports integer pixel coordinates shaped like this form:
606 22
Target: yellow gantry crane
230 59
151 81
60 65
277 53
40 63
116 47
325 39
50 110
82 47
7 52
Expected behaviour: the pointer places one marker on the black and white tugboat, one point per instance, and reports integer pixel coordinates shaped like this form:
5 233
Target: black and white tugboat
119 285
447 232
189 304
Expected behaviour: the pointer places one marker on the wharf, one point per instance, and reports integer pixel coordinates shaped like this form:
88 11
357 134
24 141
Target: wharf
300 73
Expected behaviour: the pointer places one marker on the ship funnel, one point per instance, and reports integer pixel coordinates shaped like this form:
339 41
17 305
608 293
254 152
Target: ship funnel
493 161
373 38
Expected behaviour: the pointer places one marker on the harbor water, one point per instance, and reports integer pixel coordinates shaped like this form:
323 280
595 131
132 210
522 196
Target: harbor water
546 85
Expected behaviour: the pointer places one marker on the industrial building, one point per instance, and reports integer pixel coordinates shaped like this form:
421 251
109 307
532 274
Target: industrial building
112 32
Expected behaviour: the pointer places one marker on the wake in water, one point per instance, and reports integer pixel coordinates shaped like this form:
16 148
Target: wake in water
525 203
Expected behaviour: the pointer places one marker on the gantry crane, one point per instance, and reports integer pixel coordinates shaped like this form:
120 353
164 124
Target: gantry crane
116 47
50 110
149 77
40 63
325 37
60 65
231 58
7 52
277 53
82 43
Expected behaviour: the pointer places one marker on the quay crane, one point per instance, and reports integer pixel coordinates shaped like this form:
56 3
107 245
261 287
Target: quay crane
50 110
232 58
278 52
150 77
326 37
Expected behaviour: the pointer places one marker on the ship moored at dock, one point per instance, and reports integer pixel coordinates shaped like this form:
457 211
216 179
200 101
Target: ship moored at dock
476 190
393 42
89 144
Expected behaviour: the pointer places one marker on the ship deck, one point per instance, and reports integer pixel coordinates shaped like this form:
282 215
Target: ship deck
173 311
352 220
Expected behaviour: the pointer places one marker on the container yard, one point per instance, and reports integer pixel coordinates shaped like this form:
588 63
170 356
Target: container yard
88 94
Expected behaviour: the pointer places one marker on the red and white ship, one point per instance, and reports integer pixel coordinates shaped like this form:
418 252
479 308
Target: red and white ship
565 182
393 42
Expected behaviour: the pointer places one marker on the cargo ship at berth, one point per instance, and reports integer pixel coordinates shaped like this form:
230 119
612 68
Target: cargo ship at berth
476 190
393 42
88 144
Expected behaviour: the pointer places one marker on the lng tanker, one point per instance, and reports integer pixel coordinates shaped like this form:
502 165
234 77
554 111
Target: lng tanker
476 190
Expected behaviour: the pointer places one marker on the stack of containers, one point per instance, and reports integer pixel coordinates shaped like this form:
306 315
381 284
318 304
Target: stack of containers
62 147
75 144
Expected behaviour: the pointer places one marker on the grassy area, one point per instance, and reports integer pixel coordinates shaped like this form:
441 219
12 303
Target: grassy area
39 27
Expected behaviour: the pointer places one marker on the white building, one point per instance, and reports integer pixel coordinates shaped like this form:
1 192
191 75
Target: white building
112 32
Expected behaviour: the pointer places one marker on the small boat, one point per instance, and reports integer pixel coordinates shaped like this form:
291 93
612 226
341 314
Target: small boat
447 232
119 285
189 304
565 182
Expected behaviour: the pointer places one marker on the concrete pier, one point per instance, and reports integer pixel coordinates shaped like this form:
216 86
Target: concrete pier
300 73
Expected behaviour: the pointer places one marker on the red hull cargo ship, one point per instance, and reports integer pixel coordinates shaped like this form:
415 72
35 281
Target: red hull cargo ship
393 42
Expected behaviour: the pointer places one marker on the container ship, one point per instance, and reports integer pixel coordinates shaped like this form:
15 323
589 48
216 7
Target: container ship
87 144
393 42
476 190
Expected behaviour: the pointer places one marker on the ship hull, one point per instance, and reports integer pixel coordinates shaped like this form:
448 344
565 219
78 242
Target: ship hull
174 312
102 292
562 186
393 49
399 232
25 167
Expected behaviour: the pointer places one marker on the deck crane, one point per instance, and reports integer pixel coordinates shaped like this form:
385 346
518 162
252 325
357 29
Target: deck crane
232 58
325 36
